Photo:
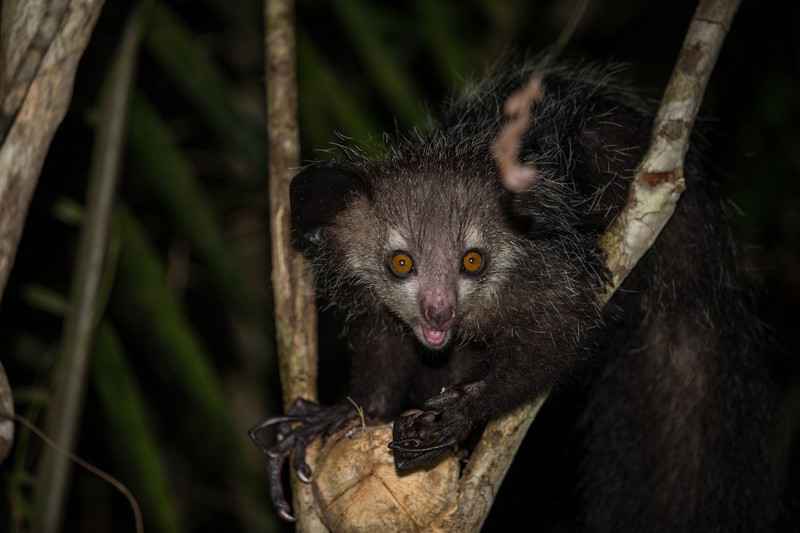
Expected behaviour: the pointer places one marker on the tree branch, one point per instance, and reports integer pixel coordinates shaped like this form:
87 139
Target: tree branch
653 195
41 43
86 304
659 179
32 108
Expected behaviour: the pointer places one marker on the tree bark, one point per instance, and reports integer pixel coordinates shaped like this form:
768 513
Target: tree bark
41 43
295 309
659 181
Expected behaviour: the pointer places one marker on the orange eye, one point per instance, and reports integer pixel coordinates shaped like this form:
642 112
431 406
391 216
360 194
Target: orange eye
401 264
473 262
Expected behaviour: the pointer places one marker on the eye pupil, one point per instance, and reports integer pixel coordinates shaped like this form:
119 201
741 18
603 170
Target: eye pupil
473 262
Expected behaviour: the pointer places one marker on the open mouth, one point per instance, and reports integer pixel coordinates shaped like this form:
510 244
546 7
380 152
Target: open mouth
435 337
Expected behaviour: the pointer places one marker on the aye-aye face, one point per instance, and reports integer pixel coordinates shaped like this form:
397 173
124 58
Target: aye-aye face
434 251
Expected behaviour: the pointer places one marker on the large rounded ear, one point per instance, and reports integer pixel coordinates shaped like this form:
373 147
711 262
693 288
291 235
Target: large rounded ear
319 192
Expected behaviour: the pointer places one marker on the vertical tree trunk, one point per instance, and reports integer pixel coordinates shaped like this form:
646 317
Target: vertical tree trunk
295 310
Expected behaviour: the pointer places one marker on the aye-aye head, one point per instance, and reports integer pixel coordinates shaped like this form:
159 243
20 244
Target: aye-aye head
431 245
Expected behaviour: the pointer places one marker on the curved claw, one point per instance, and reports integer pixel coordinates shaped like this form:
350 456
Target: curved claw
313 420
300 466
422 437
276 488
253 431
404 444
413 445
408 457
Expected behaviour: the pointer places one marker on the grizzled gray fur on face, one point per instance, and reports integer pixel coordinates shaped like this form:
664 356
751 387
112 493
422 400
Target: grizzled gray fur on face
462 300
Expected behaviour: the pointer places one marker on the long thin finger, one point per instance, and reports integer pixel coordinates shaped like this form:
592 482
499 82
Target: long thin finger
300 465
276 488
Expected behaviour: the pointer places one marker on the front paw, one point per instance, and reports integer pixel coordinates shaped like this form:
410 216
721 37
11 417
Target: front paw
303 422
421 437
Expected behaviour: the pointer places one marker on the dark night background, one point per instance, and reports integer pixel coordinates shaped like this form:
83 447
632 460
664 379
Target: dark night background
188 313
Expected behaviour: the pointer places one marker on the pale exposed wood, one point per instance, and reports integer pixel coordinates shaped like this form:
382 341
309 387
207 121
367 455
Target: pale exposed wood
659 179
488 465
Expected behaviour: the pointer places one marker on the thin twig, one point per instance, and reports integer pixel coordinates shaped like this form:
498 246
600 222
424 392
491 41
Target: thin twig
137 511
67 402
570 27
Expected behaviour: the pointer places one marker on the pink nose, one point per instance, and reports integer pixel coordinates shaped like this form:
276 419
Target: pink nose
440 316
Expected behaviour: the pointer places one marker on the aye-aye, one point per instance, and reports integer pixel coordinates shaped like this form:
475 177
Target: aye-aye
462 300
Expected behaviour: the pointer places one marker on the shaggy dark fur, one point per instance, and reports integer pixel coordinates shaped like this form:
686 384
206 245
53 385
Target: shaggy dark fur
462 300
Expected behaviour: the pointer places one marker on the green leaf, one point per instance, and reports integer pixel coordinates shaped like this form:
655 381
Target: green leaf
129 431
191 68
175 183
